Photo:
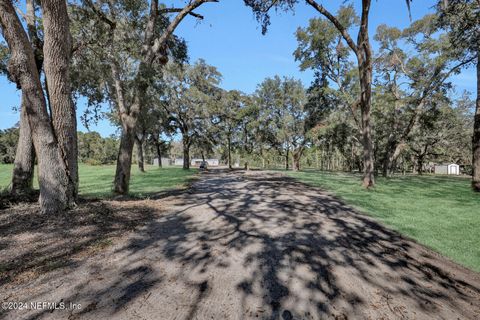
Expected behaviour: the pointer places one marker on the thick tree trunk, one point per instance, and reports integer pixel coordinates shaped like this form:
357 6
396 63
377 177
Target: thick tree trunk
140 157
186 153
124 161
54 183
296 164
476 135
22 177
420 165
128 119
297 154
56 51
368 165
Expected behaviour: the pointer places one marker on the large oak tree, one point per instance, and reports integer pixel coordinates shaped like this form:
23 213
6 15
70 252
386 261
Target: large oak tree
54 134
363 53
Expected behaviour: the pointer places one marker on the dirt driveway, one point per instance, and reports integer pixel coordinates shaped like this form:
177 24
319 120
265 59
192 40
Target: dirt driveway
254 245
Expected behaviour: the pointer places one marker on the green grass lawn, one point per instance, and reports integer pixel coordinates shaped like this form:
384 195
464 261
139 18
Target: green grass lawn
96 181
438 211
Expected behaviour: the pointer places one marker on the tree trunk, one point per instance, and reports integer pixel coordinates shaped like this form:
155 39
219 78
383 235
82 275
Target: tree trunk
153 50
322 161
329 159
128 119
159 153
365 73
386 161
124 161
140 157
476 135
287 154
420 165
363 51
297 154
22 178
55 194
296 164
57 50
23 170
229 153
186 153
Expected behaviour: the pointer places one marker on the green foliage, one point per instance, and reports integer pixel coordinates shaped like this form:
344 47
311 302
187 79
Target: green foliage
444 133
412 68
189 98
4 53
261 9
8 144
461 19
98 45
228 117
321 46
439 212
282 116
95 150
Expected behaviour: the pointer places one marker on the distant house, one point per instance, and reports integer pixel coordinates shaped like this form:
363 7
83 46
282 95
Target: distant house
178 162
447 169
210 162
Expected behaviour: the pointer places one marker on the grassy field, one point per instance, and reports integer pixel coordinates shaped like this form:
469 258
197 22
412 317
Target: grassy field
438 211
96 181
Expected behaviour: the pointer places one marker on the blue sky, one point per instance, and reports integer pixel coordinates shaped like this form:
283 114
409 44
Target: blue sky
230 38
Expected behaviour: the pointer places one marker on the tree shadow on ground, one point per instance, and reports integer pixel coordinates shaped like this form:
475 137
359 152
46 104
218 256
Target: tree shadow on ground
303 237
33 243
303 255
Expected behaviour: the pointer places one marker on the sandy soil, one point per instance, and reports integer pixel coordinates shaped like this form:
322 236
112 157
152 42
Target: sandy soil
253 245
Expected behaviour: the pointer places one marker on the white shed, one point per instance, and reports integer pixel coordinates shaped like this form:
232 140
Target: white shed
451 168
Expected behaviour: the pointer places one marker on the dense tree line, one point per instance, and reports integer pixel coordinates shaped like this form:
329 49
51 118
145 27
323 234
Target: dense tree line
8 144
92 148
377 112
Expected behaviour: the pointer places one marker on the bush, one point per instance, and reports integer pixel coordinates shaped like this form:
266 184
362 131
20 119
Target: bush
93 162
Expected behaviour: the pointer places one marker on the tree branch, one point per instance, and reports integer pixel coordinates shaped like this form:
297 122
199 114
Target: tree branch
100 14
172 10
159 46
337 24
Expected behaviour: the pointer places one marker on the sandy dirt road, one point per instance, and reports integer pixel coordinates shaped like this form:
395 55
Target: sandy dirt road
255 245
